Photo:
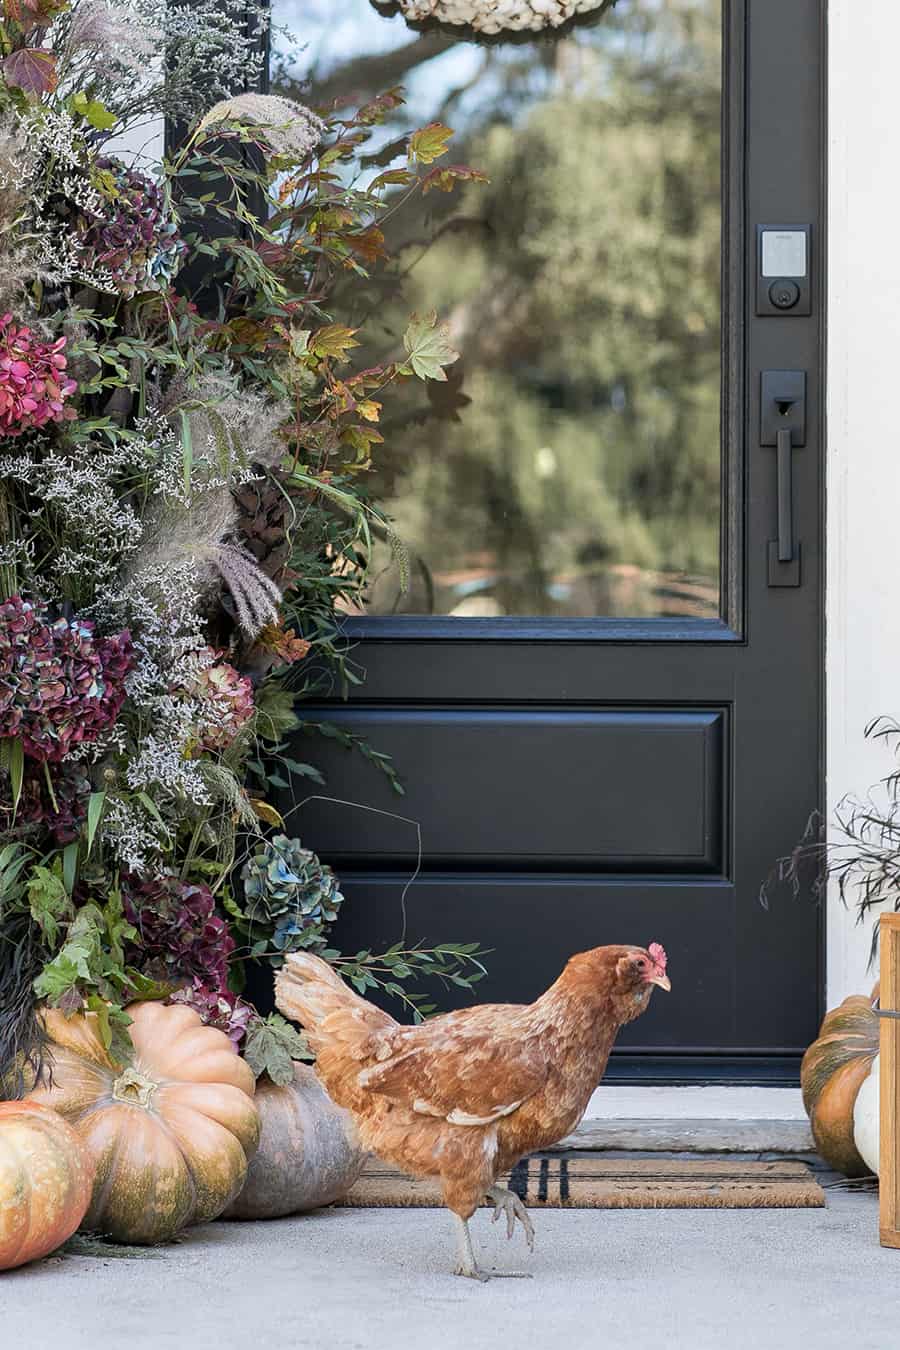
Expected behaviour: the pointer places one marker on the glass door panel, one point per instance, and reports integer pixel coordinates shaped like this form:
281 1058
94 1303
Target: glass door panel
571 464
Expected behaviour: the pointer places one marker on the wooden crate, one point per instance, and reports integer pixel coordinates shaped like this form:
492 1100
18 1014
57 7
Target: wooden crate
889 1147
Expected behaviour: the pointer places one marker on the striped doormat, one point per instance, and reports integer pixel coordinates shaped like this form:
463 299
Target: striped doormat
585 1182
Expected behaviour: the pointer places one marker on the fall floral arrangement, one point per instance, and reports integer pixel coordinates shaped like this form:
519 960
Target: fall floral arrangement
183 513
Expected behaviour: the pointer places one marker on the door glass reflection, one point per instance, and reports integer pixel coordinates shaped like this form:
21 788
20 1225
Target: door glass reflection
570 466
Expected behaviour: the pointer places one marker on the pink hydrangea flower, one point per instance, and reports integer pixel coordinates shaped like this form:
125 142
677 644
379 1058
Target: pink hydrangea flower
33 383
60 685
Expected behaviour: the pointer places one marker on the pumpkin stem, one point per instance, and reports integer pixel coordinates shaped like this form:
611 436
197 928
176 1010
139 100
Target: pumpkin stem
133 1088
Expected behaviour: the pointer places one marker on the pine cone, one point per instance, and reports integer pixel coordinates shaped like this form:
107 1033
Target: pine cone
266 517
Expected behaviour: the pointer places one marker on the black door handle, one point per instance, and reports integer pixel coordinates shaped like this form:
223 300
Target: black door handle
783 426
784 471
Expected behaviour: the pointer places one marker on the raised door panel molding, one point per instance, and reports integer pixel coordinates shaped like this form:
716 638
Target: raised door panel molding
604 790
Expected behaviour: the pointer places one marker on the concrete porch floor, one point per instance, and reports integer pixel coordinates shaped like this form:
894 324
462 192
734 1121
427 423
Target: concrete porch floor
367 1279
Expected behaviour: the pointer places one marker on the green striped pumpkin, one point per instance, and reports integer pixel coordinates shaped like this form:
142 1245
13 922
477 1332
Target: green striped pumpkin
834 1068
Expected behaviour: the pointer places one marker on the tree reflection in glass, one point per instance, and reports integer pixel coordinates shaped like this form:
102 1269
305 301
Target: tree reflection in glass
570 465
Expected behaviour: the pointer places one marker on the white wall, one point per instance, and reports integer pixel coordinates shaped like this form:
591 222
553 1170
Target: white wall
863 448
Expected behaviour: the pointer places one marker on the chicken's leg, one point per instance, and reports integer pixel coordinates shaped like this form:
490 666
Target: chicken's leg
508 1203
467 1264
469 1267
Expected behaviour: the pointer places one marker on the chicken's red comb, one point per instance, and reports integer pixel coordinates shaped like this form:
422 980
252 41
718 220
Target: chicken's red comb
658 955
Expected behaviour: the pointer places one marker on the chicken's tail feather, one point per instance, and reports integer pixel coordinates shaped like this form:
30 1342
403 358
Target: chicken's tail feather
344 1031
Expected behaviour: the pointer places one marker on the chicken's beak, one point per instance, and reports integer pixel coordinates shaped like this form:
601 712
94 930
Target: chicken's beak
662 981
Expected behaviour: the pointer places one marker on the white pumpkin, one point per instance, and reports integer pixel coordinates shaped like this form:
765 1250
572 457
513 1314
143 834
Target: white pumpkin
866 1118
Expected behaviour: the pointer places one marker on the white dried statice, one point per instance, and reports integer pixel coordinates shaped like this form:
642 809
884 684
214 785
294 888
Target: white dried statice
133 834
159 608
81 509
291 129
498 16
19 263
42 154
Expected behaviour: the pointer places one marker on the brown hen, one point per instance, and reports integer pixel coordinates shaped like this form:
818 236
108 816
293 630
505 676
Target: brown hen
464 1096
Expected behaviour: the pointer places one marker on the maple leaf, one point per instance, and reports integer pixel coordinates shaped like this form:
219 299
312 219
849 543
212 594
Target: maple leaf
428 143
446 177
362 438
390 178
427 347
379 107
369 408
332 340
369 243
31 70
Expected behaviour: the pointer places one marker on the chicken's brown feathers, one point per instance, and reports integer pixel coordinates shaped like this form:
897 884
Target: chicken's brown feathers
469 1068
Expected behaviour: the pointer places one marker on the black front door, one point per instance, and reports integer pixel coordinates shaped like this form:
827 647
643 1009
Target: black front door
603 686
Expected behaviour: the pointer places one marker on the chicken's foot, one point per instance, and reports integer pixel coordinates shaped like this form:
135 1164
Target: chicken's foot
508 1203
469 1267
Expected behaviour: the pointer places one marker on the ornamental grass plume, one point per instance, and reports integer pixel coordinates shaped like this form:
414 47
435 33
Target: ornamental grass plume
60 686
33 384
290 129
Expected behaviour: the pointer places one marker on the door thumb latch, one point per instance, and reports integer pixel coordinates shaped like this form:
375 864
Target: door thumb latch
783 425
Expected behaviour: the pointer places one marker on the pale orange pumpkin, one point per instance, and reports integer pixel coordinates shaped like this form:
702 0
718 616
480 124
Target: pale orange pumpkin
170 1135
46 1181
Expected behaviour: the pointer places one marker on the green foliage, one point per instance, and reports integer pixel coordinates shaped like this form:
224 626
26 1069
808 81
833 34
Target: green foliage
450 963
89 971
271 1048
49 901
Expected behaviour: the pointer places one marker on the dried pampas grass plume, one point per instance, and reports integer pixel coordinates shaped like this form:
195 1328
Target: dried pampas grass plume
256 597
290 128
198 533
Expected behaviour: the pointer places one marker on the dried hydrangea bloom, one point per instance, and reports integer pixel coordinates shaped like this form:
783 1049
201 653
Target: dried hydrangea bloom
181 937
60 686
226 703
498 16
290 896
218 1008
133 236
62 814
33 382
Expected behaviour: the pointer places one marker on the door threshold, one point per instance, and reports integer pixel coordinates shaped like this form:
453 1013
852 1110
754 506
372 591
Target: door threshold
694 1119
714 1102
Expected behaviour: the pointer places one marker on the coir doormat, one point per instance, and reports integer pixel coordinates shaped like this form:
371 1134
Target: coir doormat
585 1182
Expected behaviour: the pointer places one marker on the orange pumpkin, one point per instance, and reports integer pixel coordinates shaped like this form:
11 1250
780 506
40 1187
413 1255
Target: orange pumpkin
170 1135
833 1069
45 1182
